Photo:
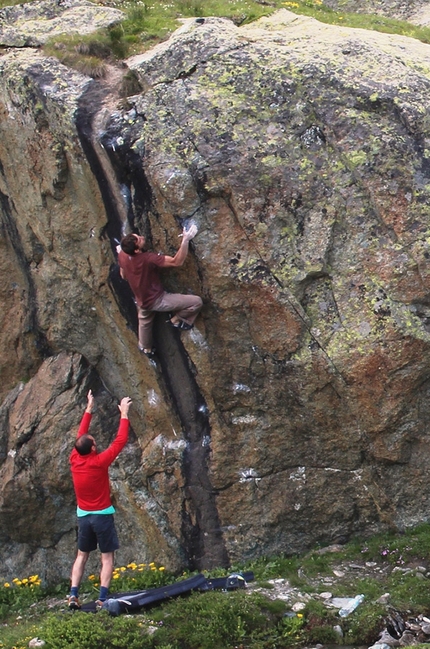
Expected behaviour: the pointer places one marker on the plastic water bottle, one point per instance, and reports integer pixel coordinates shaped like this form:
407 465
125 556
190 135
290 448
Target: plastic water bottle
351 606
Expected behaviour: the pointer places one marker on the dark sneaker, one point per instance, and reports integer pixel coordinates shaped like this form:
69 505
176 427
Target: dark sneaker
184 326
73 603
181 325
150 353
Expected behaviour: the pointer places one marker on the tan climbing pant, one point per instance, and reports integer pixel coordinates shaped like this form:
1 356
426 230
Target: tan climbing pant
186 307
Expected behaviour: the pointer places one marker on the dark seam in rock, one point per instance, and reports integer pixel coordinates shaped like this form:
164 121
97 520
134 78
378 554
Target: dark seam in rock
88 105
203 542
8 224
201 527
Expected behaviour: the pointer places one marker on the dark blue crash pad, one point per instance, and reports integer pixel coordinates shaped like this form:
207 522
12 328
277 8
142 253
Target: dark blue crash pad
135 600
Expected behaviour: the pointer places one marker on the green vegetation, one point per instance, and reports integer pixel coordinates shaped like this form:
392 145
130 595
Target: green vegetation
396 550
317 9
149 22
145 25
250 619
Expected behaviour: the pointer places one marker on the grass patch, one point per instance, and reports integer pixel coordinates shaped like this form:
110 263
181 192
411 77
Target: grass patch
409 592
17 633
10 3
319 624
364 625
216 620
273 567
316 9
85 631
396 549
89 54
370 587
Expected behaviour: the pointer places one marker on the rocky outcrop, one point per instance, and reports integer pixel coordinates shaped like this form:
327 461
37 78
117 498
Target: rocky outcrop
414 11
33 23
295 411
39 421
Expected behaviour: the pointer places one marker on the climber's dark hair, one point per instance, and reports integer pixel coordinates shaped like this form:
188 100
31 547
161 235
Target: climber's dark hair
84 444
129 244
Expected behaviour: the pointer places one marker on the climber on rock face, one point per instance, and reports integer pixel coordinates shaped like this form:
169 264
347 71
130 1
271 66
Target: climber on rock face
96 526
141 269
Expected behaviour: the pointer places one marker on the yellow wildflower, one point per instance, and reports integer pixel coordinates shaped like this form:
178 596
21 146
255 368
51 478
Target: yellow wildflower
123 569
115 576
24 581
142 565
91 577
6 584
299 614
132 566
161 568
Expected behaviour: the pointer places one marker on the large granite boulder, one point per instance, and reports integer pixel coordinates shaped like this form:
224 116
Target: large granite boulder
295 412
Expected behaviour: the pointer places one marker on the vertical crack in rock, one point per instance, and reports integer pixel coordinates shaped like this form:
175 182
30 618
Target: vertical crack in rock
90 104
8 226
127 197
201 528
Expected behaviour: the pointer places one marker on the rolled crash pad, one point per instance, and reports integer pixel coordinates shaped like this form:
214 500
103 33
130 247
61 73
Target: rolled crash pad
130 601
134 600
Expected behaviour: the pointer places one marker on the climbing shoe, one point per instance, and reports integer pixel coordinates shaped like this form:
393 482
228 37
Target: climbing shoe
181 325
73 603
150 353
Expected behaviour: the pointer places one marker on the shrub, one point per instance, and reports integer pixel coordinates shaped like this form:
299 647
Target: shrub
215 619
273 567
88 631
364 625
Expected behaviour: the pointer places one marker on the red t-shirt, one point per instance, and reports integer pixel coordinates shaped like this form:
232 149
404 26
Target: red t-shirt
142 273
90 472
